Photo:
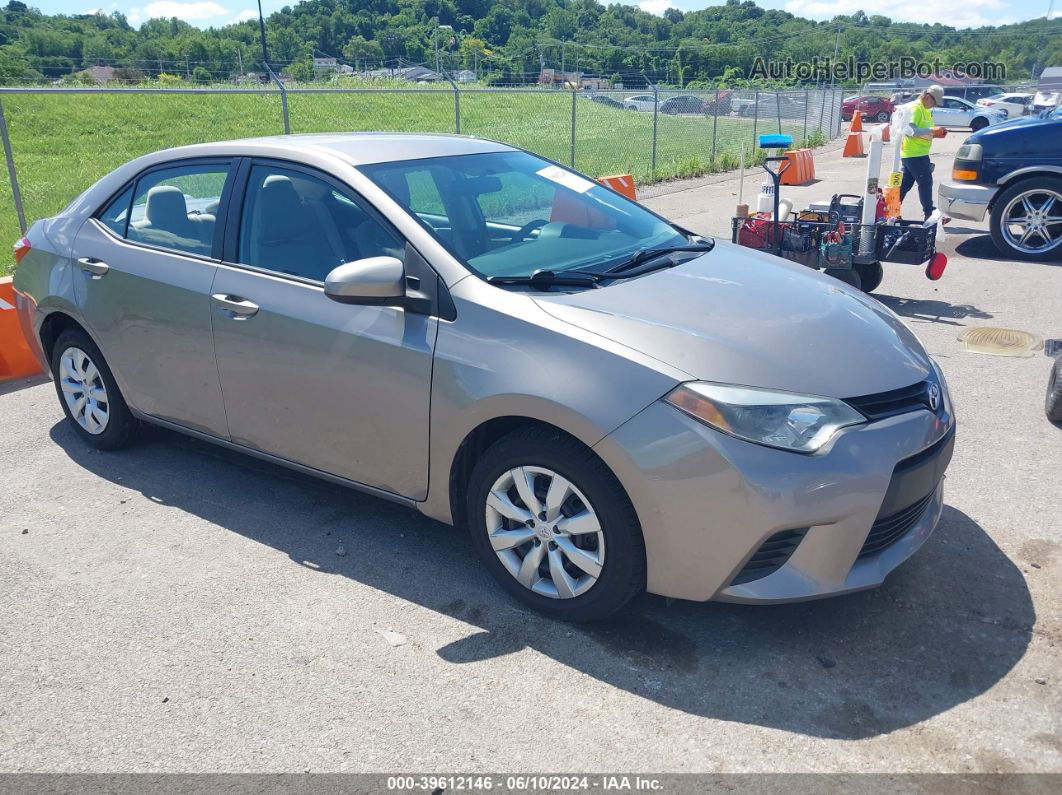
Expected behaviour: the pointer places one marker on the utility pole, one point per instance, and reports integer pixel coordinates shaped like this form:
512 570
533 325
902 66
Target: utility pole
564 47
239 60
836 49
261 30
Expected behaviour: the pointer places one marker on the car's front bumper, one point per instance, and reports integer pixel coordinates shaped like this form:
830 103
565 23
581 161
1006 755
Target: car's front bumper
965 201
708 502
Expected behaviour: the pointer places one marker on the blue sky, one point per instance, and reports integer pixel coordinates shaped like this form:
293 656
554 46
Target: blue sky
965 13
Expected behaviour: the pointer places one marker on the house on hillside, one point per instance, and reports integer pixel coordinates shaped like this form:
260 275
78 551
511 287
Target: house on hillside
101 74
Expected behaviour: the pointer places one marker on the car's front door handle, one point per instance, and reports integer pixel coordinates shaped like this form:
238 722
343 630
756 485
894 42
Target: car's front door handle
234 307
93 266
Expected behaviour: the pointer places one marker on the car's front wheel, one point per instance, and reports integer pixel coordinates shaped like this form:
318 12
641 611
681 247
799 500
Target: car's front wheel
554 526
882 117
1026 219
88 393
978 124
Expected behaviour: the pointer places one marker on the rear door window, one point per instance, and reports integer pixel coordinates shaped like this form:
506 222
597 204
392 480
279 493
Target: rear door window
176 208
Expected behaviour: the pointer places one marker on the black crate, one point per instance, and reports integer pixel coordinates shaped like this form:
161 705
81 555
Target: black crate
910 242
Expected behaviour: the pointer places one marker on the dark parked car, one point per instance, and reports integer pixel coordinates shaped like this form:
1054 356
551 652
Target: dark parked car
1012 172
877 109
683 103
607 101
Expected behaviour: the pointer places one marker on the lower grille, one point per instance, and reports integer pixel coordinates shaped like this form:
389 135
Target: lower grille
771 556
887 530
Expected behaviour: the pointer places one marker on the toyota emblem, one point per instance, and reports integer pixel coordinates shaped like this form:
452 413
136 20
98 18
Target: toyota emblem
934 397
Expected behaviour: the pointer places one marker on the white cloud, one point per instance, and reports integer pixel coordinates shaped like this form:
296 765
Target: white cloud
247 13
657 7
971 14
196 10
92 11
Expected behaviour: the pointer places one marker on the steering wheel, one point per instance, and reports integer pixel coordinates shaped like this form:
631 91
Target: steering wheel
527 229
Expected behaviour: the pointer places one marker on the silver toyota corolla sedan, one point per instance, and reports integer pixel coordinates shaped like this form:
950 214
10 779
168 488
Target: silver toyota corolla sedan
607 401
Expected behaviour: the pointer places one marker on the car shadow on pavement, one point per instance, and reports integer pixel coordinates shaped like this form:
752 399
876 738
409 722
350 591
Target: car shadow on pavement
945 627
932 310
982 247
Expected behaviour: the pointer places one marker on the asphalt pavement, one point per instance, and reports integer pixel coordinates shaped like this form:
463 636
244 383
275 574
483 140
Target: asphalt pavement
177 607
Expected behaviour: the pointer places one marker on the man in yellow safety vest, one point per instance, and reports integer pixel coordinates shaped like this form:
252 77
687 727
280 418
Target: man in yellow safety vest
914 149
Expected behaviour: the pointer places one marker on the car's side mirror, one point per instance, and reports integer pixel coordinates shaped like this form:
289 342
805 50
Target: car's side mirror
371 281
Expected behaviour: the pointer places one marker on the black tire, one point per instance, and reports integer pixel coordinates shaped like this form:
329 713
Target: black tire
121 427
870 276
999 205
849 276
1053 404
623 572
882 117
978 124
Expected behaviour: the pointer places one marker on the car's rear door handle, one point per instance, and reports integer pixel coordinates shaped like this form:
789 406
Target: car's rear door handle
93 266
234 307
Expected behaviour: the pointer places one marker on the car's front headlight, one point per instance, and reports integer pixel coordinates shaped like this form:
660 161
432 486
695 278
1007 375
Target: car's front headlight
800 423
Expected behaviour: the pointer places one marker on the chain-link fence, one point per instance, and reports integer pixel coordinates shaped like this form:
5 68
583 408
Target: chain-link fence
58 141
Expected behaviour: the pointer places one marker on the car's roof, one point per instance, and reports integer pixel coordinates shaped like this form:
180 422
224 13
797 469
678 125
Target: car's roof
355 148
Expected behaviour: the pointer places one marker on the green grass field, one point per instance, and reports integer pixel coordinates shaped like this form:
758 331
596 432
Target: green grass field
62 143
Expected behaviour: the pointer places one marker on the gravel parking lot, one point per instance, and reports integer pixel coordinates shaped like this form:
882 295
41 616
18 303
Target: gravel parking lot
176 607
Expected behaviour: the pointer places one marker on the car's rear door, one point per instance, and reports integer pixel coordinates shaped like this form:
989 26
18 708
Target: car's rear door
147 261
336 387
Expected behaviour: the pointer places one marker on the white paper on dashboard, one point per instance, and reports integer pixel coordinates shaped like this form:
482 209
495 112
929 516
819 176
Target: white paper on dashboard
567 179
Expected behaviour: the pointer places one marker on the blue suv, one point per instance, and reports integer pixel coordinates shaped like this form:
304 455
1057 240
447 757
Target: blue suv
1013 173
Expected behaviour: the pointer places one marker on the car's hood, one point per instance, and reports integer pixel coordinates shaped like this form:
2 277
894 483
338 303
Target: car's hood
738 316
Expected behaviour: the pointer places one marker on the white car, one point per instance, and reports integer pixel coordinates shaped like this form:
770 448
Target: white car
955 112
1014 104
639 102
1046 99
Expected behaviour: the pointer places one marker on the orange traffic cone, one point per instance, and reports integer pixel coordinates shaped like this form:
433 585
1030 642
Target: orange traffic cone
853 147
857 121
885 137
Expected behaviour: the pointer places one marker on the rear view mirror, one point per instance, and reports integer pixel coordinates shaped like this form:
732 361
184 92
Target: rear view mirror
373 280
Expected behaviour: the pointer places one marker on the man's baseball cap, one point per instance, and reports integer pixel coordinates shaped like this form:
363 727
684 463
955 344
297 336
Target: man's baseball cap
936 92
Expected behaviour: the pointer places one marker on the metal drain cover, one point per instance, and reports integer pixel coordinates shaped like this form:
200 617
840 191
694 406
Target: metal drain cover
1000 341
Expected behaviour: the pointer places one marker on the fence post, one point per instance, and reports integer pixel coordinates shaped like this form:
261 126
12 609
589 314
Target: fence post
755 117
573 128
822 112
805 139
715 124
457 107
9 156
656 113
283 99
778 109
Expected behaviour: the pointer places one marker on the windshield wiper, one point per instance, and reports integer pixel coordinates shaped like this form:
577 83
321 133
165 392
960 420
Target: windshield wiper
647 254
548 278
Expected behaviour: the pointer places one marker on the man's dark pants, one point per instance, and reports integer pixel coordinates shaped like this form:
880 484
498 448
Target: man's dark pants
918 169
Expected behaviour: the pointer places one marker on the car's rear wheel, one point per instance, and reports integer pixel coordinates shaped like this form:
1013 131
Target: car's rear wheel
1026 220
1053 404
882 117
870 276
978 124
88 393
554 526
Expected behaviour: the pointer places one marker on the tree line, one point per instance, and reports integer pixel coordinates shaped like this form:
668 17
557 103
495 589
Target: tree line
503 41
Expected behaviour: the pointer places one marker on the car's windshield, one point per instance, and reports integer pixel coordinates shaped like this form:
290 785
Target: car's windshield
511 213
